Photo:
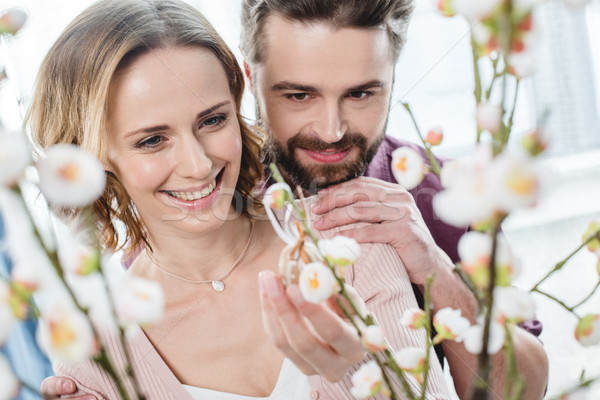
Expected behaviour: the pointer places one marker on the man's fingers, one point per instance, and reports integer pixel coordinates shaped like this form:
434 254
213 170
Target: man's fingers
53 387
367 234
358 190
372 212
338 334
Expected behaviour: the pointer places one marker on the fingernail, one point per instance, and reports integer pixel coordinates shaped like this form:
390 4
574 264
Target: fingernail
68 386
269 284
295 295
318 222
315 205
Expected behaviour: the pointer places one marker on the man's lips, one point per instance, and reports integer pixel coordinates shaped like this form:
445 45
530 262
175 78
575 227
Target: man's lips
328 156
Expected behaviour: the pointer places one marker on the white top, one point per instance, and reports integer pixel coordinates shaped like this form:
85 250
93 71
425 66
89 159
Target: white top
291 384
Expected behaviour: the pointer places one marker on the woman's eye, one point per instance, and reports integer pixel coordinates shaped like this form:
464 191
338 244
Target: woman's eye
150 142
213 121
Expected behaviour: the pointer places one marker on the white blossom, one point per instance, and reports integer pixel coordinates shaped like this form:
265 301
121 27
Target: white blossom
339 250
489 117
367 381
449 324
475 251
139 301
65 333
513 305
414 318
515 181
277 195
15 155
467 198
411 359
9 385
373 338
587 331
70 177
473 338
408 167
317 282
12 21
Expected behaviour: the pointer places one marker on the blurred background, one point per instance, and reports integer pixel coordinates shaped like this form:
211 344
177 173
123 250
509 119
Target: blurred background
435 75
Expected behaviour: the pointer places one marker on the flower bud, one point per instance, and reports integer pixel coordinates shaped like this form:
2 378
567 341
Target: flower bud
435 136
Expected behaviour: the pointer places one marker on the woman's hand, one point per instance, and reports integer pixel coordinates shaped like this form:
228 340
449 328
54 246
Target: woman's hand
54 387
313 336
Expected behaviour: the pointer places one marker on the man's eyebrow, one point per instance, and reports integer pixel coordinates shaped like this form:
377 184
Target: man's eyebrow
160 128
285 85
368 85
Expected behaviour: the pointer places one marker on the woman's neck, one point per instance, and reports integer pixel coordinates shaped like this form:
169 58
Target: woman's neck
206 256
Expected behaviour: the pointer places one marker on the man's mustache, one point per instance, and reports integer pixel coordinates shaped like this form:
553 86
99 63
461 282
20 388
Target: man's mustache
347 141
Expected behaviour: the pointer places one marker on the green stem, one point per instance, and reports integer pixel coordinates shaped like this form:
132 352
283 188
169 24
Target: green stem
386 378
391 363
435 166
583 384
497 74
476 73
469 283
561 263
483 359
586 298
566 307
89 220
427 303
512 114
515 384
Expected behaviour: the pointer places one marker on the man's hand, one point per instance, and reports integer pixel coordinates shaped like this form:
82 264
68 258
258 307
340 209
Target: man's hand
392 217
54 387
312 336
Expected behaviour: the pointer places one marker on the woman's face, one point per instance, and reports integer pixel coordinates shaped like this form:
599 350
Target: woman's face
174 139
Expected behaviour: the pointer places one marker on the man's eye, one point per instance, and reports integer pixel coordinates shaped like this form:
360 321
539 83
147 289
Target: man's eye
150 142
297 96
359 94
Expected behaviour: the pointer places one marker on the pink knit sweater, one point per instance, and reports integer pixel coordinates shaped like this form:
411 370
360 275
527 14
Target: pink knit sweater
378 276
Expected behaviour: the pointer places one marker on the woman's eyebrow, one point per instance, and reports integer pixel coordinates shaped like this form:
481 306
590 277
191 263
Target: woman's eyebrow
160 128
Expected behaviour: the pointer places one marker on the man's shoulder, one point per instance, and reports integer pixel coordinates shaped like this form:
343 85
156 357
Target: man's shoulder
381 165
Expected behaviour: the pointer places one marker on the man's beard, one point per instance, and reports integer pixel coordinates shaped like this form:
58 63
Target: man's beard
319 176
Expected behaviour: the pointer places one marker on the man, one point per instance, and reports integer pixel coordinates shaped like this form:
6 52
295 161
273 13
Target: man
322 74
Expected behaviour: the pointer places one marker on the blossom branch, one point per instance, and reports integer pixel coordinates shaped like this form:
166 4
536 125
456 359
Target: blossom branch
435 166
561 263
102 357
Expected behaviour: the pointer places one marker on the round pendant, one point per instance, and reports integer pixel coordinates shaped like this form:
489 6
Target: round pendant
218 286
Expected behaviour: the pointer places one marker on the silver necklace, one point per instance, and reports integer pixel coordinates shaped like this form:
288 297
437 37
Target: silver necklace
217 284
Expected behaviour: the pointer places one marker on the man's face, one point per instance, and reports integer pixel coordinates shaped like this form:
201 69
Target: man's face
323 94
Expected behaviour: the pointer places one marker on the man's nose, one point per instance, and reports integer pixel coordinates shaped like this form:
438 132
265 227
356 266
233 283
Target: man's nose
331 125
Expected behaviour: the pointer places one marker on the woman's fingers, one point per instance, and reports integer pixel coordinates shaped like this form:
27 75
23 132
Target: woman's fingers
312 336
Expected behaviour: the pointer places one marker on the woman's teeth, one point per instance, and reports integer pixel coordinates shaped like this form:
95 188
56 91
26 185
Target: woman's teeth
192 196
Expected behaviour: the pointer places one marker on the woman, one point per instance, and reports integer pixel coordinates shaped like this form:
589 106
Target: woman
149 88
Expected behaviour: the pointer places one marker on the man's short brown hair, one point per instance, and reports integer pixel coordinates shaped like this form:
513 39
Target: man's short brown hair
391 15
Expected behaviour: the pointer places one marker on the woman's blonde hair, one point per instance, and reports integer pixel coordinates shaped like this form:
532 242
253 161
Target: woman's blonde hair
70 100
